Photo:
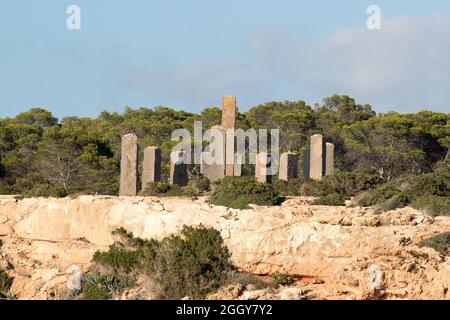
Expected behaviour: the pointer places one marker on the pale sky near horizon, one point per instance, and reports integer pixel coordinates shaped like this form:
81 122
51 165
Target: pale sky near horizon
187 54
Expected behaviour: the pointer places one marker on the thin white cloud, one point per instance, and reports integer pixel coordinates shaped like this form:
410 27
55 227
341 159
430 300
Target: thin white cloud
405 66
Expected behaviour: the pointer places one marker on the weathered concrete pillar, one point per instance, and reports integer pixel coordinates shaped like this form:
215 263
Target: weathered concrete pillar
128 166
288 166
178 169
238 162
262 169
151 166
306 161
329 162
317 157
213 160
228 123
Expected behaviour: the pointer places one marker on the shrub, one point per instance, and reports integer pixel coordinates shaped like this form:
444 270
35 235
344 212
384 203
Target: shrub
440 242
376 196
156 189
44 190
239 192
349 183
5 285
399 200
333 199
280 279
192 264
298 187
429 192
102 287
433 205
199 185
430 184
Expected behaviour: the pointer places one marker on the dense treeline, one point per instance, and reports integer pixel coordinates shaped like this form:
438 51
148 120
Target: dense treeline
40 155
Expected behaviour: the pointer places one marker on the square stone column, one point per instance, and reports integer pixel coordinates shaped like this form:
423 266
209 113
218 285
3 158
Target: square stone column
288 166
228 123
317 157
262 168
151 166
238 162
306 162
128 166
329 163
178 169
213 160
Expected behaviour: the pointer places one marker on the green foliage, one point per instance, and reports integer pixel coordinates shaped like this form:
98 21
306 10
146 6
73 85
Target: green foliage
82 155
440 242
5 285
349 183
332 199
192 264
198 186
102 287
428 192
239 192
433 205
298 187
281 279
164 189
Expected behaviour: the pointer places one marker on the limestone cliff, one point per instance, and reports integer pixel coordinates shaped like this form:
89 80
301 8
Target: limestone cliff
335 252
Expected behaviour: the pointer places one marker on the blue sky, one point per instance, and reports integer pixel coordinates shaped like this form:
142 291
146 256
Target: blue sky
187 54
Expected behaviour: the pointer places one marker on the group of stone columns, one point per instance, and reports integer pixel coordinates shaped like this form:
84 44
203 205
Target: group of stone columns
318 159
151 167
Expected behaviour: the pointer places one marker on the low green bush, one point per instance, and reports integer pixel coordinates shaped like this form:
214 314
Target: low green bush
193 264
281 279
397 201
102 286
439 242
433 205
5 285
239 192
196 187
298 187
332 199
44 190
349 183
428 192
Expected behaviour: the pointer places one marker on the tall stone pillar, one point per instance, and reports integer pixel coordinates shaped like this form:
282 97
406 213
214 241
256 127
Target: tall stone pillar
178 169
151 166
263 173
317 157
329 162
128 166
228 123
288 166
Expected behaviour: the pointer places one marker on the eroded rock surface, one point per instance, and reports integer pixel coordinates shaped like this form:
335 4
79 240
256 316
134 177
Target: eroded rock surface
335 252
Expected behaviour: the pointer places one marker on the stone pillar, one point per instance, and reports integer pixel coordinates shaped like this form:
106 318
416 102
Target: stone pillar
288 166
151 166
128 166
228 123
178 169
238 162
317 157
329 162
213 160
262 169
306 161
